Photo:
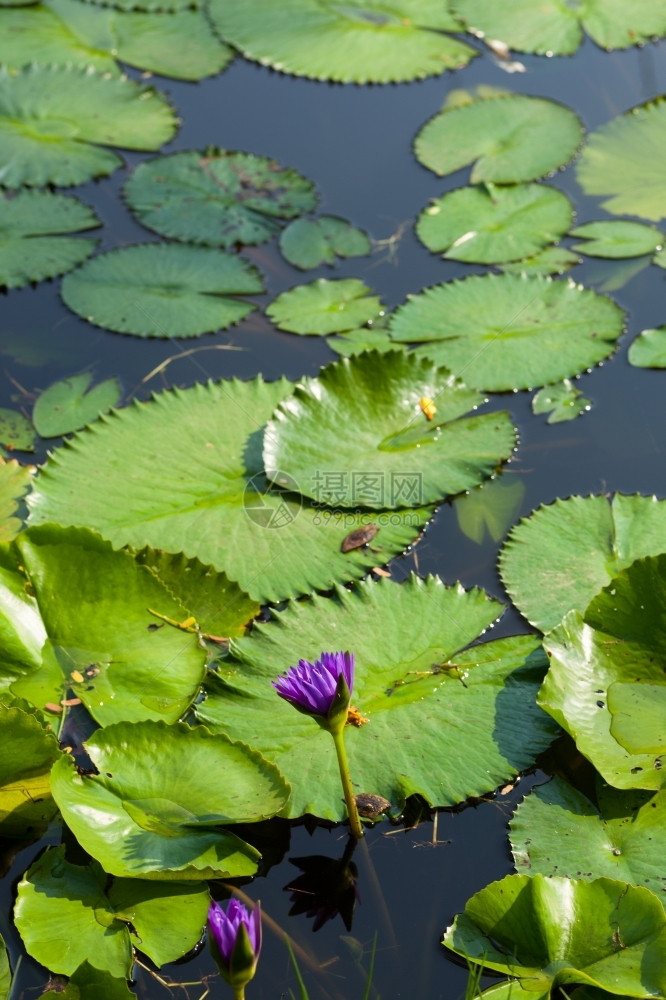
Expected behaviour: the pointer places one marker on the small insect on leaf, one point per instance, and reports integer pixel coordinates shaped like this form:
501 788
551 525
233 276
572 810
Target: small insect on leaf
428 407
358 538
354 717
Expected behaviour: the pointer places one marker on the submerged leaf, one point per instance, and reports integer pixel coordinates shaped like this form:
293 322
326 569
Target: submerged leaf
492 508
649 349
508 331
307 243
325 307
562 402
623 158
415 672
374 41
560 556
162 290
396 456
31 247
16 431
219 506
159 811
54 119
489 225
67 405
217 197
508 138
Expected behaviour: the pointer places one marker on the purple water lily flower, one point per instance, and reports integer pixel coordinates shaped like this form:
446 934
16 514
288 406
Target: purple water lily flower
312 687
234 936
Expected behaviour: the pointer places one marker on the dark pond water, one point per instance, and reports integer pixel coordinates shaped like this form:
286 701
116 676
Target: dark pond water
355 144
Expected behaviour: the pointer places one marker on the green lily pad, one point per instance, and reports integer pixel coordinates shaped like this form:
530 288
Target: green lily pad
562 401
62 32
491 508
649 349
29 751
414 675
325 307
157 812
67 405
91 630
67 916
367 338
555 28
5 972
489 225
307 243
606 681
87 982
617 239
504 331
551 932
381 396
621 162
16 431
217 197
15 481
162 290
374 41
556 830
551 260
219 507
560 556
31 247
53 121
508 138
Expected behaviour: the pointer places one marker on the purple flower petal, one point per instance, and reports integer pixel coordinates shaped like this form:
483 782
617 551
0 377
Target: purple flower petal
312 686
224 925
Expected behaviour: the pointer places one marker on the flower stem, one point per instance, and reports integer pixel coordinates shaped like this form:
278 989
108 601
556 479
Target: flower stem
239 992
345 777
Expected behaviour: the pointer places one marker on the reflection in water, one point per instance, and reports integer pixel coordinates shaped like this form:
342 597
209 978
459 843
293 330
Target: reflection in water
326 887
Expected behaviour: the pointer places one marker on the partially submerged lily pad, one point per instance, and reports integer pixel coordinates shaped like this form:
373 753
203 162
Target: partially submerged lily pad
160 811
617 239
562 401
307 243
367 338
487 224
508 138
649 349
32 246
371 42
219 507
509 331
551 260
68 405
30 749
622 162
560 556
324 307
217 197
397 440
555 28
162 290
54 121
415 674
606 684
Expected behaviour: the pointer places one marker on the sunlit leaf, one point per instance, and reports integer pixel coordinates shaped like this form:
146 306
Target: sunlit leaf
488 224
54 119
217 197
159 811
556 830
374 41
509 331
551 932
508 138
555 28
649 349
414 674
68 405
393 443
219 506
622 162
617 239
162 290
560 556
68 915
16 431
490 508
30 749
606 684
15 480
325 307
31 247
562 401
307 243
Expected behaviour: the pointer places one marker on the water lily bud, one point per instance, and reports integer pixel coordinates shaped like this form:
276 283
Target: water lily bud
321 689
234 937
